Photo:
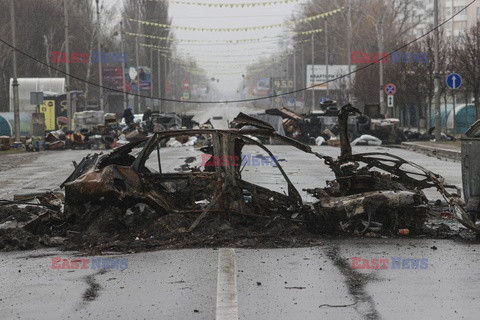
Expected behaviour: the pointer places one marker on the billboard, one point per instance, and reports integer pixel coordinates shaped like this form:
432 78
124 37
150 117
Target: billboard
136 76
112 78
262 88
54 107
282 85
334 71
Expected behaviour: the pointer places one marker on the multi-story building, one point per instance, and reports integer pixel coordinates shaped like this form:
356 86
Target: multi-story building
423 15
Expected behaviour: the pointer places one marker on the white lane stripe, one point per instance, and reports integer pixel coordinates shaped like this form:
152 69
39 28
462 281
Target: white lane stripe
227 306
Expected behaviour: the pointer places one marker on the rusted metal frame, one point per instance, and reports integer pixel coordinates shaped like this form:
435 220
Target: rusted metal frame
292 191
331 163
402 175
145 153
345 146
233 193
123 149
250 186
396 170
158 157
259 132
205 211
143 156
459 212
191 186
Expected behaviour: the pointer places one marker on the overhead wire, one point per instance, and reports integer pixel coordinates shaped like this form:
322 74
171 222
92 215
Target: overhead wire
235 100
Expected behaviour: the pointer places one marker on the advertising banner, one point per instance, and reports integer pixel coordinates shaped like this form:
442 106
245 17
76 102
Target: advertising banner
319 76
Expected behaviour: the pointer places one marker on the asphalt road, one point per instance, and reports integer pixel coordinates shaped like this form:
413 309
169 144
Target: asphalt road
306 283
303 283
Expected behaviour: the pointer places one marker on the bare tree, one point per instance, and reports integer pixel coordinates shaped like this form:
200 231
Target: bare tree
465 61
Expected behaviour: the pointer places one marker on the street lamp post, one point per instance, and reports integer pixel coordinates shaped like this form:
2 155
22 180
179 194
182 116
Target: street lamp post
304 72
67 69
313 74
349 49
436 76
16 107
99 46
326 55
159 80
125 98
383 107
378 21
294 75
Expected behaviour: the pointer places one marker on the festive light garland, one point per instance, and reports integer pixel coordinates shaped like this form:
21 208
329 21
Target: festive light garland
276 25
224 54
198 41
228 5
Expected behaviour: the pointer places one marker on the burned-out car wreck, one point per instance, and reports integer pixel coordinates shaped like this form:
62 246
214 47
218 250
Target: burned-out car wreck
372 191
116 202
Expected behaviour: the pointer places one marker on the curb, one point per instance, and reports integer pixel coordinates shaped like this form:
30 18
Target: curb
433 151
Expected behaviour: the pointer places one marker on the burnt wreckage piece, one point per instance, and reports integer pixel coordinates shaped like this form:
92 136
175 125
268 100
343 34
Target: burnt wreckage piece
377 187
370 189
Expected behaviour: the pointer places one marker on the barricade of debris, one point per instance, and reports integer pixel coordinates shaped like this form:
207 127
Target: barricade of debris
116 202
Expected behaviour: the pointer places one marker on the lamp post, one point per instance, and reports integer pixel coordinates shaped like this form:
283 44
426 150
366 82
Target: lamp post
436 76
326 54
16 107
349 49
99 48
313 74
379 33
67 69
125 98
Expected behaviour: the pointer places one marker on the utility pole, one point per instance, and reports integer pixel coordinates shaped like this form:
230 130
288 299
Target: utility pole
349 49
151 71
137 98
125 98
16 106
165 69
159 81
67 69
313 74
326 55
99 46
436 72
304 73
294 76
383 107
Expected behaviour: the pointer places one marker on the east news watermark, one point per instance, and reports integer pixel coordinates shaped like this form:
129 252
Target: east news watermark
385 57
392 263
95 263
235 161
89 57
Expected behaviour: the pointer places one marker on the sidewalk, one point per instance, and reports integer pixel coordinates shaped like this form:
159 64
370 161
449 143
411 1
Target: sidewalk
443 150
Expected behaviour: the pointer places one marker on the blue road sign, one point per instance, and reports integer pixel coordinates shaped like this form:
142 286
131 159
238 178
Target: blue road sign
454 81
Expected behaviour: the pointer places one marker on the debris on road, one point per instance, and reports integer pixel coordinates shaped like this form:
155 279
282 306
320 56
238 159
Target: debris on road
116 201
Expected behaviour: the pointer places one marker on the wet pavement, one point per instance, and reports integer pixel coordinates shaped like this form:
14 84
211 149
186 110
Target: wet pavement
301 283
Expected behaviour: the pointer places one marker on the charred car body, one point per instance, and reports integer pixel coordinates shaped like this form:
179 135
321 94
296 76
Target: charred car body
371 190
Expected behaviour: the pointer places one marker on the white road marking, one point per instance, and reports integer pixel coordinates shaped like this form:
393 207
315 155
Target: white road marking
227 306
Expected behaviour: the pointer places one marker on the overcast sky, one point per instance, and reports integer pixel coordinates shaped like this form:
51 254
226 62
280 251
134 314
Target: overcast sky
216 58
